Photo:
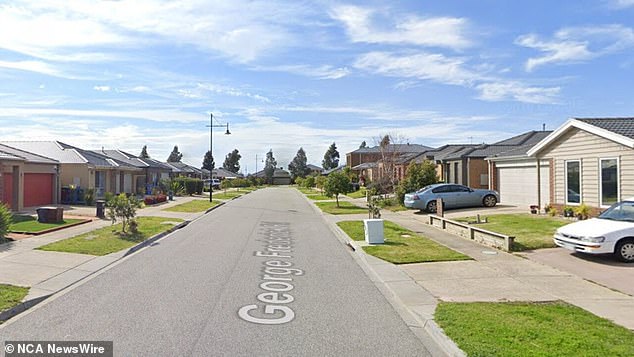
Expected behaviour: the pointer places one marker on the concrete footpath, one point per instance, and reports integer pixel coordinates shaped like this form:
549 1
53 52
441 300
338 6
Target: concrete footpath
47 272
492 275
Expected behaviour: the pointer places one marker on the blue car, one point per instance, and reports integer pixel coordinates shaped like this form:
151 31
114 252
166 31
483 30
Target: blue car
453 196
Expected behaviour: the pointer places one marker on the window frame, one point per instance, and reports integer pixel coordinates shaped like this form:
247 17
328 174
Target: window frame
566 182
618 180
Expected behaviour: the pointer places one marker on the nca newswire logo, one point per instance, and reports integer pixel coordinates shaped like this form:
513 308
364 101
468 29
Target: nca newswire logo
58 348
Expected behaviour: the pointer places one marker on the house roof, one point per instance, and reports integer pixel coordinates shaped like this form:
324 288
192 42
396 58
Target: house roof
222 172
11 153
394 148
68 154
182 167
521 150
314 167
619 130
281 173
133 159
365 165
329 171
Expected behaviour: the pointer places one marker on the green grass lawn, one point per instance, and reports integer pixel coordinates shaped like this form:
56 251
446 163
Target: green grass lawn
532 329
109 239
344 208
360 193
319 197
402 250
307 191
29 224
530 231
193 206
221 195
11 296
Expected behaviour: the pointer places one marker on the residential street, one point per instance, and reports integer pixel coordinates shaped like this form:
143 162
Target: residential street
262 275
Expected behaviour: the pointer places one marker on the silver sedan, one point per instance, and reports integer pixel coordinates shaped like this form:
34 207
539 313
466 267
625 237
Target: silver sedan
452 195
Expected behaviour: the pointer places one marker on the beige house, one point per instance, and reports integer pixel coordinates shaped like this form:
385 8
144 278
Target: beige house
591 161
82 168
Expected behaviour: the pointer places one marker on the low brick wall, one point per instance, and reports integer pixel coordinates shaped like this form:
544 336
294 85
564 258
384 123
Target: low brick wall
466 231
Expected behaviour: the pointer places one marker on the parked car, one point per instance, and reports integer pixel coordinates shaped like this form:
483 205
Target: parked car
611 232
215 183
453 196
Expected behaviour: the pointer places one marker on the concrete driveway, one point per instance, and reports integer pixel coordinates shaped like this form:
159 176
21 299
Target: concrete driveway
602 269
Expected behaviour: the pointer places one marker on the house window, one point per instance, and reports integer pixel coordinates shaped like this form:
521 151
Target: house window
609 178
573 181
100 183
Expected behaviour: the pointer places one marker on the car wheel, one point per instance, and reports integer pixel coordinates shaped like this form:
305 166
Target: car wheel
431 207
489 201
625 250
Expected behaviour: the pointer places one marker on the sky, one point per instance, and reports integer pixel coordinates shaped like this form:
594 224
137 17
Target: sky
291 74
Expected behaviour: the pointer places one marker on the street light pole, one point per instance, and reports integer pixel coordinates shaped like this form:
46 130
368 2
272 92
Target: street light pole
211 145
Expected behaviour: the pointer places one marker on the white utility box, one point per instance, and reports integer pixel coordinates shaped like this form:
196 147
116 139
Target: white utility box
373 231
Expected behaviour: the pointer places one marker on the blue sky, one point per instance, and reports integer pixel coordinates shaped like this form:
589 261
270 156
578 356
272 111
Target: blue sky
285 74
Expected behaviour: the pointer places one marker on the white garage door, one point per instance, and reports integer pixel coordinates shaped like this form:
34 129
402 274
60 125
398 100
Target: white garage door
518 185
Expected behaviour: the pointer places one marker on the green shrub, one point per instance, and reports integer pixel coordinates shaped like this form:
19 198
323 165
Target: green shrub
582 211
6 217
552 211
309 182
89 196
299 181
417 177
123 208
190 185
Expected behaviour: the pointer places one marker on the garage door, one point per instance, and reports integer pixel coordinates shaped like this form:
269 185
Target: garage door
38 189
518 185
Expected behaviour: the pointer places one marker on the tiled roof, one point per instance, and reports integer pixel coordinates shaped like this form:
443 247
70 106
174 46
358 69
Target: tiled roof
394 148
523 149
50 149
314 167
448 150
222 172
183 167
365 165
621 126
11 153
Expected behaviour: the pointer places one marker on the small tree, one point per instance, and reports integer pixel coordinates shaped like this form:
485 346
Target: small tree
331 158
225 184
309 182
320 182
175 155
123 208
416 177
5 220
208 161
232 161
144 154
337 183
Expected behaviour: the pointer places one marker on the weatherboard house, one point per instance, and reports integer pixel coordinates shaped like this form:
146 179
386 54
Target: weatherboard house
590 161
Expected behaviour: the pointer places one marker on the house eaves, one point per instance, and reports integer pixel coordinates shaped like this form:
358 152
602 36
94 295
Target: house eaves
574 123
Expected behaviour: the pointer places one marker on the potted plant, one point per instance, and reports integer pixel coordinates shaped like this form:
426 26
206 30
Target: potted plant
534 209
582 211
568 212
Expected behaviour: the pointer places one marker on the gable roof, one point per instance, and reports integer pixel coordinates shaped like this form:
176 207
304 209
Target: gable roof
402 148
224 173
619 130
182 167
521 150
314 167
133 159
11 153
68 154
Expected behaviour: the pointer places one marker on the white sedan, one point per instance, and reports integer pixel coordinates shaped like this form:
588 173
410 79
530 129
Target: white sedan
611 232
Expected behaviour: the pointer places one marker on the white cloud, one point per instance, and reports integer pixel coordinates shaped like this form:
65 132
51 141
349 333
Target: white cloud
320 72
448 32
163 115
577 44
32 66
67 31
621 4
426 66
101 88
509 90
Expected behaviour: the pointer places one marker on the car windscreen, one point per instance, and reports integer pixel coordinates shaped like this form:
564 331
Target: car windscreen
620 211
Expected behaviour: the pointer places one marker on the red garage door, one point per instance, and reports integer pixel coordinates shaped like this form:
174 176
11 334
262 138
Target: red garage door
38 189
7 191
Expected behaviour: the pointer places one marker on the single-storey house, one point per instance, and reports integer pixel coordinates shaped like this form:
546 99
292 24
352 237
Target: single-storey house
591 161
81 168
180 169
221 173
27 179
281 177
514 174
144 181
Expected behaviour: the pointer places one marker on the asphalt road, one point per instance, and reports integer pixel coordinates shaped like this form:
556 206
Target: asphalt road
204 291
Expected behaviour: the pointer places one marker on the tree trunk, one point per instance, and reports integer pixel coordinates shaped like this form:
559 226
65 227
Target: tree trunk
337 199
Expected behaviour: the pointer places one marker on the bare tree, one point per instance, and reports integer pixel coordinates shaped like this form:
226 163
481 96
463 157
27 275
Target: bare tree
390 148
